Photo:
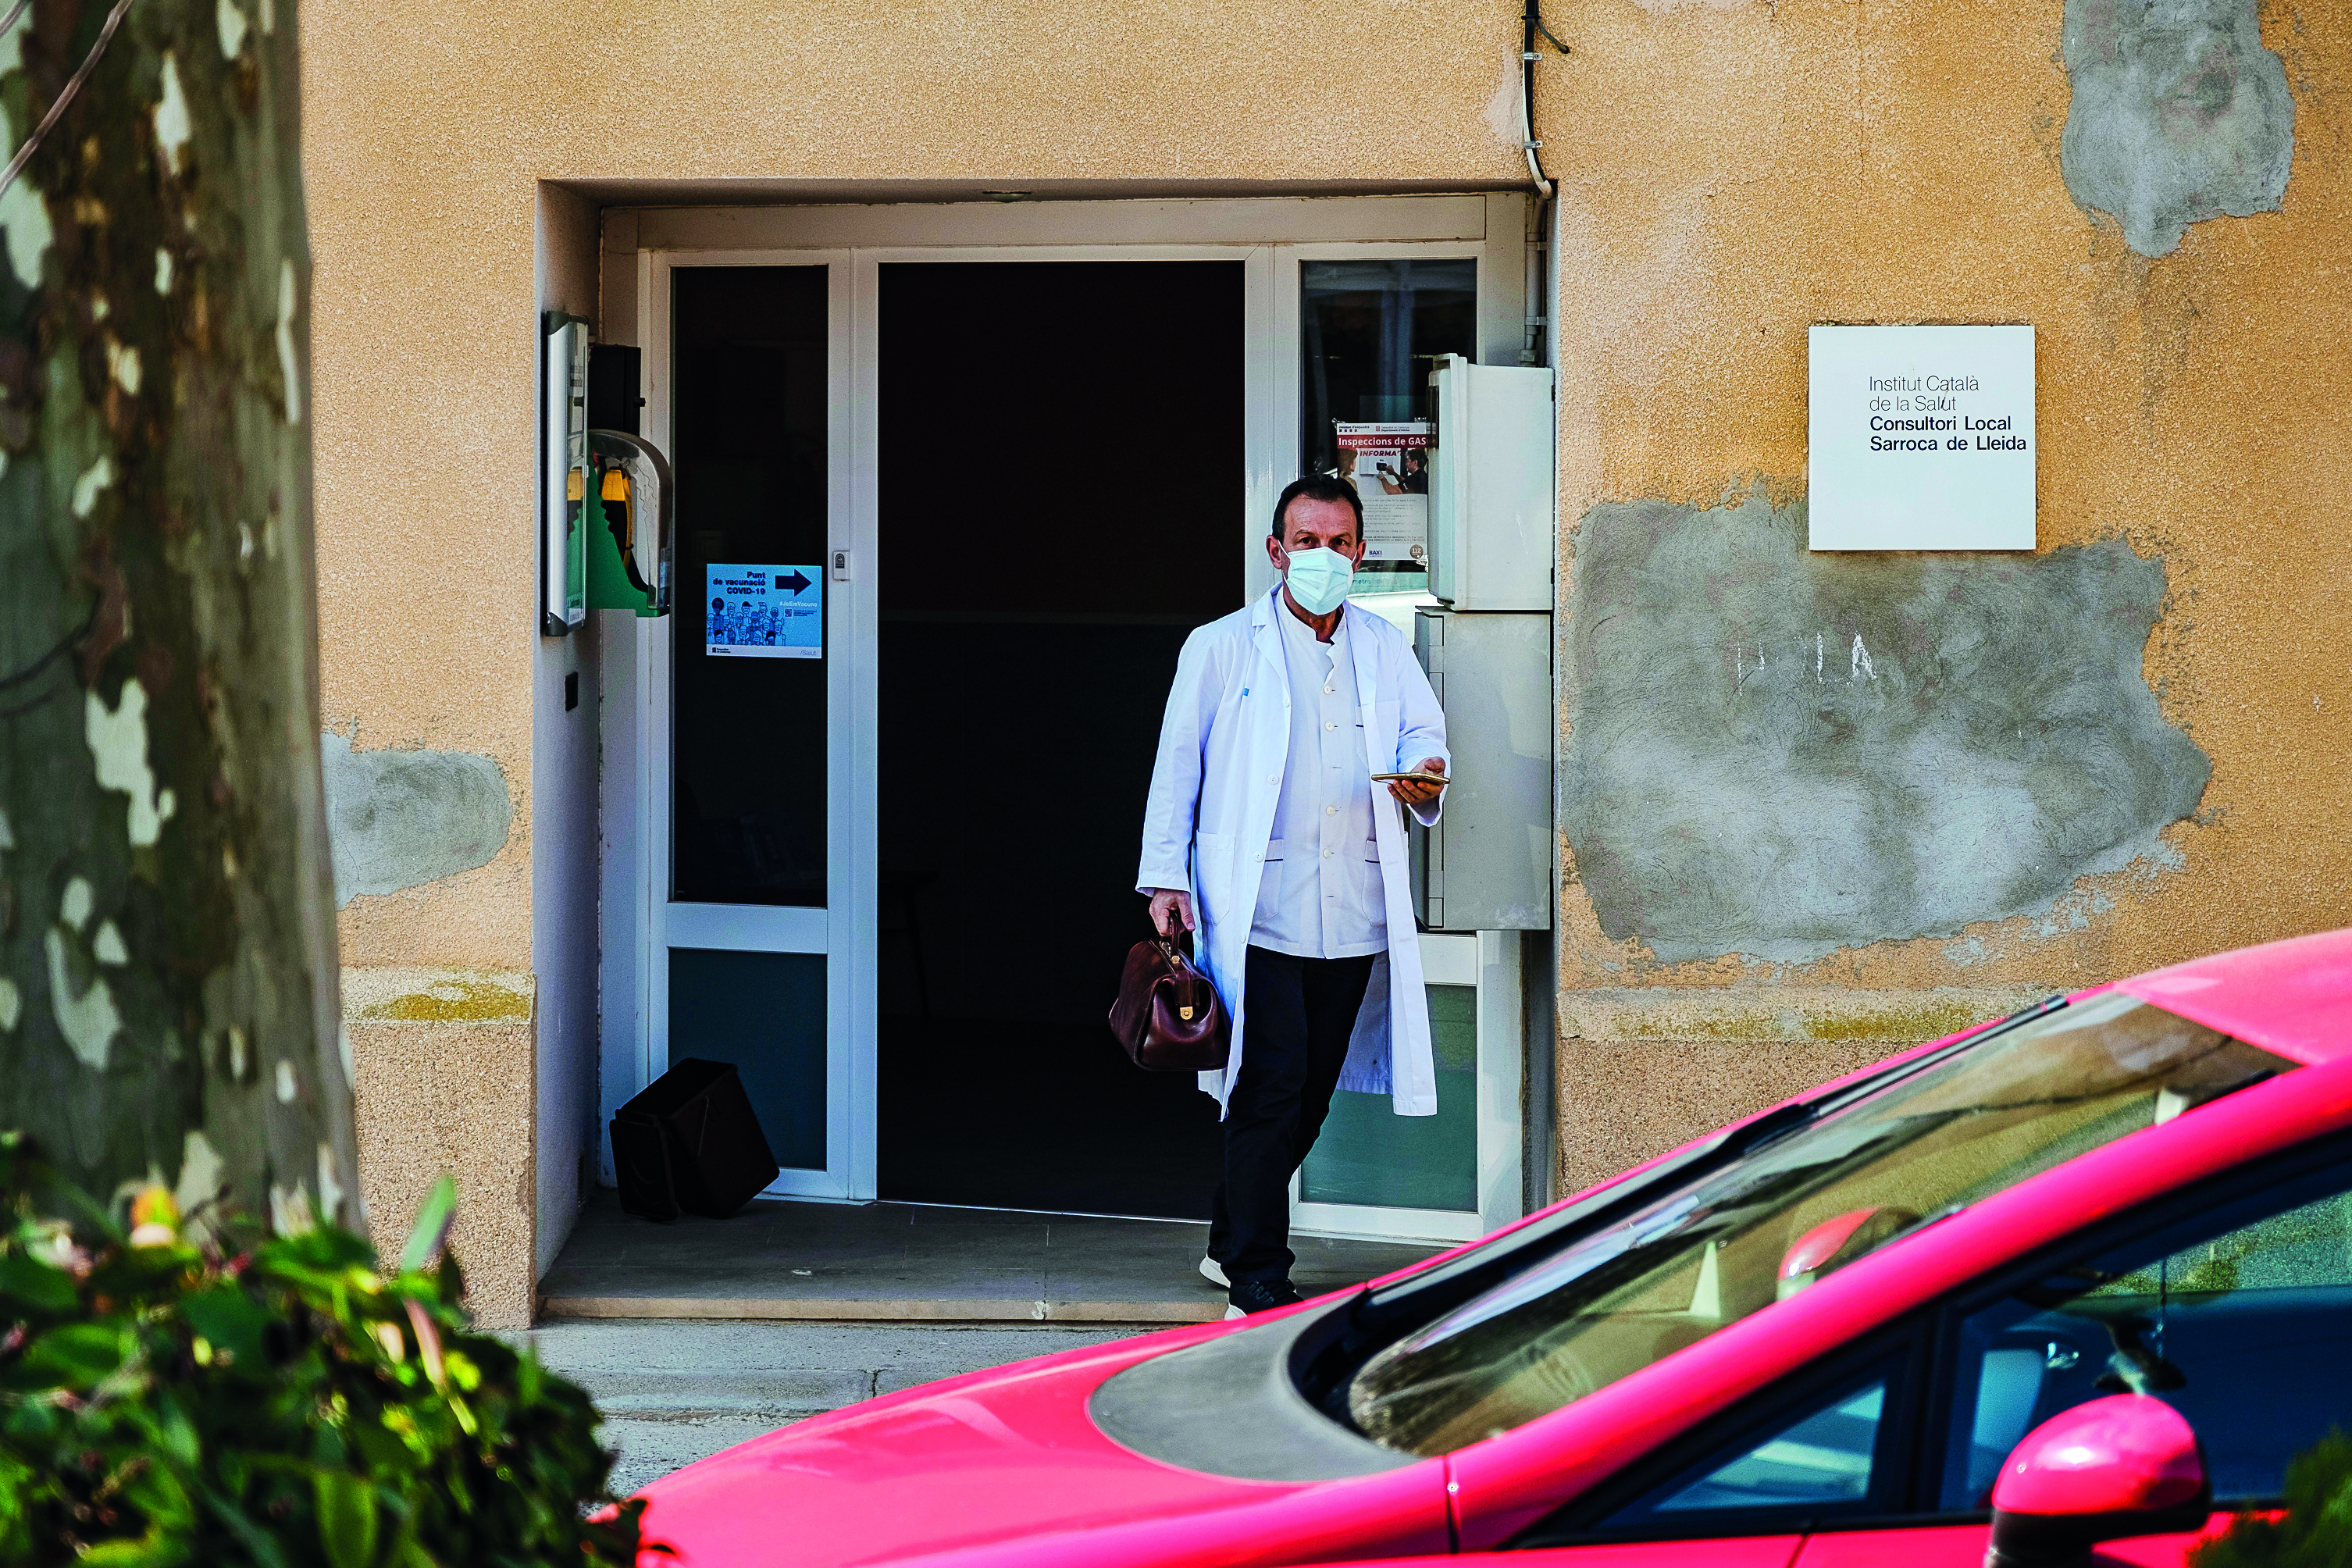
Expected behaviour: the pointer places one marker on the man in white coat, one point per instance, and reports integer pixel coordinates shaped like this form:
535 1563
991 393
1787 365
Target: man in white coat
1265 833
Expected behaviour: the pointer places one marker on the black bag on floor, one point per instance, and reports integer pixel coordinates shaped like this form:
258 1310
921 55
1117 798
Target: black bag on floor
690 1143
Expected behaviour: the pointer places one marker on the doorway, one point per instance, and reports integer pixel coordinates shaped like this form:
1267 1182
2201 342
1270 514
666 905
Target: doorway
891 875
1060 458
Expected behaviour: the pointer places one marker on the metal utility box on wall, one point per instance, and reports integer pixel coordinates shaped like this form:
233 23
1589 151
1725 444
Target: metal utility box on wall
1487 864
1491 488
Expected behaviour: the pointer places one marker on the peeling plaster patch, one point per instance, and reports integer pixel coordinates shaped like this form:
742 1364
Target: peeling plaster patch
94 481
268 16
2179 114
286 365
330 1191
7 837
12 1004
375 994
88 1022
1503 116
1802 1014
108 946
171 126
286 1085
1728 789
26 217
233 28
162 270
118 740
399 819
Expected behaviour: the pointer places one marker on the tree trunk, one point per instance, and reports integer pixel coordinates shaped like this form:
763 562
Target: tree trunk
167 945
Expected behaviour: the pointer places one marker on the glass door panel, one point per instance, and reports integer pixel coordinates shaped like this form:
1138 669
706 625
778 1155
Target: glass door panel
1367 332
1370 1157
749 967
748 710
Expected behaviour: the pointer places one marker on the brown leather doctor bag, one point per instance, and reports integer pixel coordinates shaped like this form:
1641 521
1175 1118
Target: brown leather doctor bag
1168 1015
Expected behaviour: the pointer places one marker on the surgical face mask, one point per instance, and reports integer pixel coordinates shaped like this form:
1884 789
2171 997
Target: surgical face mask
1318 579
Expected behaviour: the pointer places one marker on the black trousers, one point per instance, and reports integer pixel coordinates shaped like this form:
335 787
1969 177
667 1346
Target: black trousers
1298 1015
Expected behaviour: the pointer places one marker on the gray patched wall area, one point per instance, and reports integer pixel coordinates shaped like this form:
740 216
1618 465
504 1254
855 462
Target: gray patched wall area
396 819
1779 753
2179 114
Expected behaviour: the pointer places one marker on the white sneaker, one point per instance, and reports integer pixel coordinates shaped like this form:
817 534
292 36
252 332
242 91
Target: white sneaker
1232 1312
1214 1274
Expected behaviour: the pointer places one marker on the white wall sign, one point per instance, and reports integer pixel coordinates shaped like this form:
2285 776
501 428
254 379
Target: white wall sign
1922 437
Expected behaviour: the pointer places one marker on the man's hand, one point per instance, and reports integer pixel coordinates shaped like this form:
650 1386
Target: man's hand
1169 906
1412 792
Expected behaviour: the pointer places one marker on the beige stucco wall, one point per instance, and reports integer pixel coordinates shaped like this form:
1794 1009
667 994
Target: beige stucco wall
1731 173
426 140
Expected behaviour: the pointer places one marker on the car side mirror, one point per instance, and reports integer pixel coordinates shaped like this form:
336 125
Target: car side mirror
2126 1465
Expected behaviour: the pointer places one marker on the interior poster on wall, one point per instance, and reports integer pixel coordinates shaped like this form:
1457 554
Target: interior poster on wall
1389 465
765 612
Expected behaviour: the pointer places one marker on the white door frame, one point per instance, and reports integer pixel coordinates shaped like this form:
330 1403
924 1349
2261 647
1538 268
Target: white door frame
843 931
1270 237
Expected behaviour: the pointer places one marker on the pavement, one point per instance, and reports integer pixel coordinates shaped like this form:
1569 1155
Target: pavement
778 1260
674 1392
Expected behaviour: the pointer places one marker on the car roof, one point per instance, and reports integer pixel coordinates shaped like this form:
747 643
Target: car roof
2292 998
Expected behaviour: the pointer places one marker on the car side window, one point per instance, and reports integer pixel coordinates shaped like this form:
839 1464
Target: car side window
2241 1318
1826 1457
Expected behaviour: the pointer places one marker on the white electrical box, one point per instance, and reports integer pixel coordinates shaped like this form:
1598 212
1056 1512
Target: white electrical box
1491 488
1487 864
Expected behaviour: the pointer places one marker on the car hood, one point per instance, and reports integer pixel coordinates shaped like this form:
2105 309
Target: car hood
993 1455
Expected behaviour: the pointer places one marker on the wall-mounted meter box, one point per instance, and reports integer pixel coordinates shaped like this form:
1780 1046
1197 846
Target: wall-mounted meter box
628 542
564 476
1487 864
1491 491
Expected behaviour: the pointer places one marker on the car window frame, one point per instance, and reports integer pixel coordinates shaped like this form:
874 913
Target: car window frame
1905 1346
2181 1204
1919 1405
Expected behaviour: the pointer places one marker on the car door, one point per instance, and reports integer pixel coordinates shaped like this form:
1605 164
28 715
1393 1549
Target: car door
1834 1442
2233 1305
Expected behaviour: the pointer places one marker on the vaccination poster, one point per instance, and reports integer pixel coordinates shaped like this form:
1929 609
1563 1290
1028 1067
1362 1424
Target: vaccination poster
1389 465
765 612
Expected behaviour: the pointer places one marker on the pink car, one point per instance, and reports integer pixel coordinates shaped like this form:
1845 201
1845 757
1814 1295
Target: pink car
2083 1275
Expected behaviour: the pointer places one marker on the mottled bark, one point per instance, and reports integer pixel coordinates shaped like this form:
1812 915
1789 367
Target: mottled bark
167 956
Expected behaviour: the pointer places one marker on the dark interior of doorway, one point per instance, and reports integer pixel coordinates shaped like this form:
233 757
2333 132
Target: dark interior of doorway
1061 486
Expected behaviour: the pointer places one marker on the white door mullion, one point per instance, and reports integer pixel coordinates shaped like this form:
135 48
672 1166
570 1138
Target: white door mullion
854 421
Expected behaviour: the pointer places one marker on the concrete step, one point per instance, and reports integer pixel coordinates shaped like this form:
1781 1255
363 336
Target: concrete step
912 1263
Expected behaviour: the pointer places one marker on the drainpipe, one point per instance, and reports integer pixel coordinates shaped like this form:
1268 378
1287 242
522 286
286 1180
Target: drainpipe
1531 24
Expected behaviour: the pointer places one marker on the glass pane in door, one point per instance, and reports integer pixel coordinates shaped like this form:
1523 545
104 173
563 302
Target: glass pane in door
1368 1155
1368 332
765 1012
750 632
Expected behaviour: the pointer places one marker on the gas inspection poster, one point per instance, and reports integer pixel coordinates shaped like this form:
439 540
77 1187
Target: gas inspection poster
1389 465
765 612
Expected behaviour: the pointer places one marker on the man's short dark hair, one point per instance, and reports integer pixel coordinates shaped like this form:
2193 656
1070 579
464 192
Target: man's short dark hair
1318 487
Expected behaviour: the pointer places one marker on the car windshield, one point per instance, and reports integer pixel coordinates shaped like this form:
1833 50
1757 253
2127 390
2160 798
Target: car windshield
1708 1251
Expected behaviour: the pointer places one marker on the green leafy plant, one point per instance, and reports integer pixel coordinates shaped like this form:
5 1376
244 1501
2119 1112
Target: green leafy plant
194 1390
2316 1528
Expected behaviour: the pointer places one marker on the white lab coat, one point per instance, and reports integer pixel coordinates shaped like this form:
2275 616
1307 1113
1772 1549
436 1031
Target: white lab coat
1210 817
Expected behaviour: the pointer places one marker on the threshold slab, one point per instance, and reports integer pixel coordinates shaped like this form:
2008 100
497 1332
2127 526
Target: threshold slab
909 1263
